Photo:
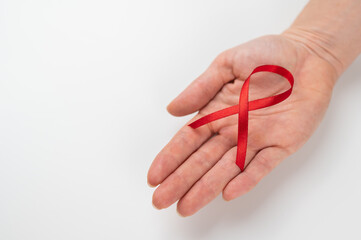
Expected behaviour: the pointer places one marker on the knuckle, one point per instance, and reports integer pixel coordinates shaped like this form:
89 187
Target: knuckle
179 177
249 182
202 160
207 188
264 163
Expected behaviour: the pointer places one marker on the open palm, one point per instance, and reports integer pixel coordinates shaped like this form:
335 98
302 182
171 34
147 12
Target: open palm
198 164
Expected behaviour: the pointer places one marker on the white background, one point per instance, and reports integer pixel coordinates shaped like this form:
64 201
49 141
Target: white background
83 91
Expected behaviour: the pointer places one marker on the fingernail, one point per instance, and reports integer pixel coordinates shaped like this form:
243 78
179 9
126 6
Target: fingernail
180 214
168 107
150 185
155 206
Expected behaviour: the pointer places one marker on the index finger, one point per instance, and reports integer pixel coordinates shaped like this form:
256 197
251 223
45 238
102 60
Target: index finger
179 148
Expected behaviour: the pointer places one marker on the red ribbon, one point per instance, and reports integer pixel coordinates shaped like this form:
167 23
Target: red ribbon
245 106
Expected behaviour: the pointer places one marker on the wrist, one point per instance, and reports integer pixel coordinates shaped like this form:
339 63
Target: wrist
331 30
317 45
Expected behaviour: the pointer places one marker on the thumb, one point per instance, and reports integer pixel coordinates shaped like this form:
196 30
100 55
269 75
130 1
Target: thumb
202 89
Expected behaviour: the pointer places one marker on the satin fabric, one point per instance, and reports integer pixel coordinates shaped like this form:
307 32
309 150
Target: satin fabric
245 106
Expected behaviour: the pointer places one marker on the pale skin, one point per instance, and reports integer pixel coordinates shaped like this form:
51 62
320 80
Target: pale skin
199 164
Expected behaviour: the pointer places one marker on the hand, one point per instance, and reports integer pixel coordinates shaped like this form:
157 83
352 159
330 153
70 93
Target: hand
198 164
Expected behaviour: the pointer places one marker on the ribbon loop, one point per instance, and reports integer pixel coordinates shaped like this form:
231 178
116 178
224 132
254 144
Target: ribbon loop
245 106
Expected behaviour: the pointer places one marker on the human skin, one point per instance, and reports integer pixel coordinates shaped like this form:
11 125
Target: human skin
199 164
